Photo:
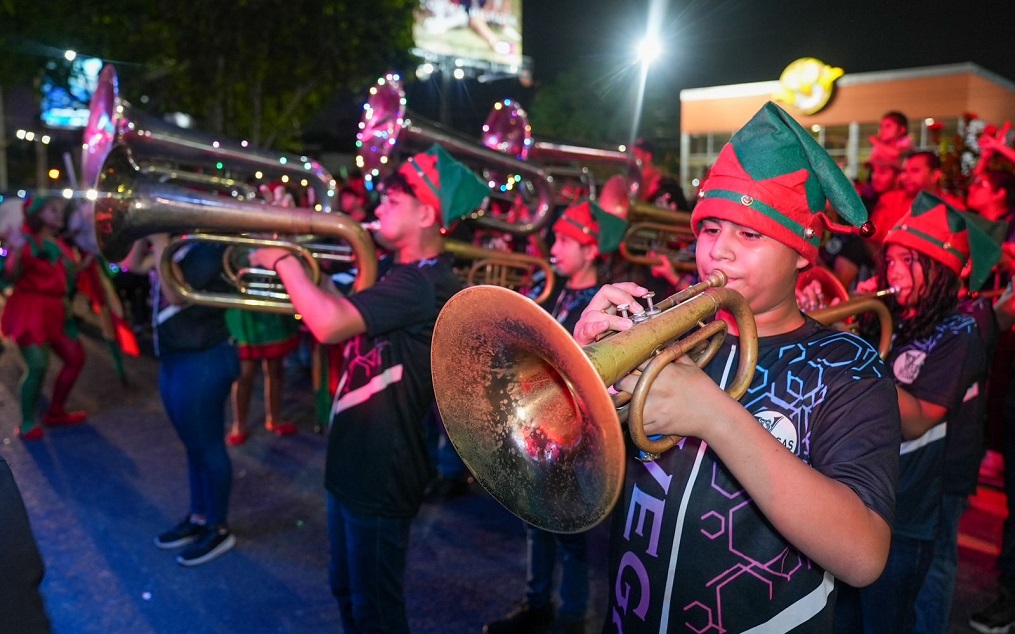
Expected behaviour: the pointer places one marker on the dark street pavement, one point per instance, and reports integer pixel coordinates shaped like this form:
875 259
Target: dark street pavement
98 493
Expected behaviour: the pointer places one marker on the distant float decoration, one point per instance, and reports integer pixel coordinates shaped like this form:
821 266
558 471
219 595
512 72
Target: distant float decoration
807 84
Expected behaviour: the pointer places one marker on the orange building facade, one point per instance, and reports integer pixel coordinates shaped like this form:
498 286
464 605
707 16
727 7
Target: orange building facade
931 95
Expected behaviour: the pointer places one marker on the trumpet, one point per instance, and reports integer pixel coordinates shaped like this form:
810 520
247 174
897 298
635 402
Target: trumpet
837 305
529 410
646 242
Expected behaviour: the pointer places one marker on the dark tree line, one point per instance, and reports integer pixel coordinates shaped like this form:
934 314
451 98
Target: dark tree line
253 69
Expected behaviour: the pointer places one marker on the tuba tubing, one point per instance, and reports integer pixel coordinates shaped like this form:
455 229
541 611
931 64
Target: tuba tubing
637 245
387 125
861 304
130 206
112 121
501 262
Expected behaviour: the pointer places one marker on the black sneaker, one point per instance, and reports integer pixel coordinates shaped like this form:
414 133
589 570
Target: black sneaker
525 619
180 535
210 544
999 616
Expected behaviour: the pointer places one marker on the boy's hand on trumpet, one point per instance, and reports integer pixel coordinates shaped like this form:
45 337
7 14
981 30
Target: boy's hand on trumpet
602 316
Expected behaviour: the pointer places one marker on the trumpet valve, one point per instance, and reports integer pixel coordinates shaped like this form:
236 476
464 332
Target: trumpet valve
649 312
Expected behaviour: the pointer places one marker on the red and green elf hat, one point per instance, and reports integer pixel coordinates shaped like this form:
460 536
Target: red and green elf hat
35 203
437 179
587 223
952 237
774 178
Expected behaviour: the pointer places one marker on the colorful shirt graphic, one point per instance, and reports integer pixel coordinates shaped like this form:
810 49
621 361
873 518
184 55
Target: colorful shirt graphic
691 552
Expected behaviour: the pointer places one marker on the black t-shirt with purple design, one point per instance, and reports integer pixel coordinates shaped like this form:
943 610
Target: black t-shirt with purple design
377 460
691 551
943 368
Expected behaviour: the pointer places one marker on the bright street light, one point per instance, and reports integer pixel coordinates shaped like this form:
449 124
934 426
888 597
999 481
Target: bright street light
649 49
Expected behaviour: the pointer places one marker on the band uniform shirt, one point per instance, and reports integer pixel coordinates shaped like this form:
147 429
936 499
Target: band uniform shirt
940 368
377 462
689 548
190 327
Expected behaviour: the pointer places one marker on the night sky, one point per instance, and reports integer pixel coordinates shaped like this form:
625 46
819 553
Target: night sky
717 42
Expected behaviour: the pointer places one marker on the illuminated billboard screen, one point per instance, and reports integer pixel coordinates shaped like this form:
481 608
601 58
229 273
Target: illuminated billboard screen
487 31
67 88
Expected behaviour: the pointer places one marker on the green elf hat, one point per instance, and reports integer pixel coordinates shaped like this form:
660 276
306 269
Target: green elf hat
774 178
437 179
33 205
952 237
587 223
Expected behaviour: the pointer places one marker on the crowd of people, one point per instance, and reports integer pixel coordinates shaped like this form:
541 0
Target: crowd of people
827 498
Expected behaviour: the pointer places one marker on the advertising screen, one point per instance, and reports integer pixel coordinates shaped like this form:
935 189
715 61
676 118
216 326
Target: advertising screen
67 87
488 31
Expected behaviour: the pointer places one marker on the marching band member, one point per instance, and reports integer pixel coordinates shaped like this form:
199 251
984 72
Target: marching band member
751 518
377 463
939 363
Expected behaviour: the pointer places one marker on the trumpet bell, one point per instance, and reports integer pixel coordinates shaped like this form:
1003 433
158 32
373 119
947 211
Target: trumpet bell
542 435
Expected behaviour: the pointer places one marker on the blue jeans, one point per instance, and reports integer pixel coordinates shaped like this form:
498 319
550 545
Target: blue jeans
574 575
367 570
934 605
887 605
194 387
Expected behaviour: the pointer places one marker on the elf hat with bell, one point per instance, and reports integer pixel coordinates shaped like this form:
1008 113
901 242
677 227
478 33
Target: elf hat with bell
587 223
952 237
774 178
438 180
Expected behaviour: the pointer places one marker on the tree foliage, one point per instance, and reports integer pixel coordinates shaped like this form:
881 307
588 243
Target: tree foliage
254 69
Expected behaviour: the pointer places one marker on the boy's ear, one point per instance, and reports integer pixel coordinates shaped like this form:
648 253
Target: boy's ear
430 216
801 263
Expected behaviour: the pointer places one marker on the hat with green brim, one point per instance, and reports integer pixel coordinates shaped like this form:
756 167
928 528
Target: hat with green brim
587 223
437 179
949 236
774 178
